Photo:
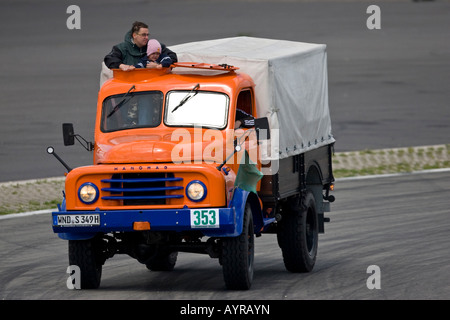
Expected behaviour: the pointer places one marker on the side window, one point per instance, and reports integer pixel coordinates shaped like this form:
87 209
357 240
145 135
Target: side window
244 110
244 101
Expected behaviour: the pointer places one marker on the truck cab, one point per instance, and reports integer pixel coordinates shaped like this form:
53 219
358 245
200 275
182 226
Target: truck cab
147 134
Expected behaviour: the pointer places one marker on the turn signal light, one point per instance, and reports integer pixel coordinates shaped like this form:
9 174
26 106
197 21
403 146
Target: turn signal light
141 225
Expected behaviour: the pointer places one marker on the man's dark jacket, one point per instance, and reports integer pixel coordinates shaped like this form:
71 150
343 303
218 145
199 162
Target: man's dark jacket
129 53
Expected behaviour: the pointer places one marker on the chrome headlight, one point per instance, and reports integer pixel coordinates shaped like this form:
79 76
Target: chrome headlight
196 190
88 193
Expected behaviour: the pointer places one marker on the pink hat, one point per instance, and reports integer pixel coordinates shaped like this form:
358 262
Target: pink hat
153 46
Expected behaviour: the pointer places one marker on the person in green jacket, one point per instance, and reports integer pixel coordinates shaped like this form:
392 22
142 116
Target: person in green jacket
128 53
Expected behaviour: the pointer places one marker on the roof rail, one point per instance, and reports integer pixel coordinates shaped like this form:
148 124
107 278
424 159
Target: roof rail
208 66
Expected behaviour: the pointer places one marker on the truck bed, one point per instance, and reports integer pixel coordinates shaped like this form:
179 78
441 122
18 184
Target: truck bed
292 176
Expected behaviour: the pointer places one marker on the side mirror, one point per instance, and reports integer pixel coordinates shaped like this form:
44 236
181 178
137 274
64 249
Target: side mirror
68 134
262 128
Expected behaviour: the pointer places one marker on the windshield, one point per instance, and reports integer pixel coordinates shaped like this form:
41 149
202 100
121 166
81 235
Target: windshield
134 110
205 109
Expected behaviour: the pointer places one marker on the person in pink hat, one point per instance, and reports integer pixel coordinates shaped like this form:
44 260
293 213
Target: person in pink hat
154 58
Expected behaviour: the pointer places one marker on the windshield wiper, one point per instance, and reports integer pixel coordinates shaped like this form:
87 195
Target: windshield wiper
187 97
117 107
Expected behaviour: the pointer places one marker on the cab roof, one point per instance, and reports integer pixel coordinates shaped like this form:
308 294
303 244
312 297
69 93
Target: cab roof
180 76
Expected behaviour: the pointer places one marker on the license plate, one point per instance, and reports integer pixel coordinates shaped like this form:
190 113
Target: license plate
205 218
78 220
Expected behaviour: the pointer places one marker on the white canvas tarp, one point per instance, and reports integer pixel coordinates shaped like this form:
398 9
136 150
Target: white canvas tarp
291 85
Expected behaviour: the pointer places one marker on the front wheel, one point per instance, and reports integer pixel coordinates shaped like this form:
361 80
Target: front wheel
87 255
298 234
238 255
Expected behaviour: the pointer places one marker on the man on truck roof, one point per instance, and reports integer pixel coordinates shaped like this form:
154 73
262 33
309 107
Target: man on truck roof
128 53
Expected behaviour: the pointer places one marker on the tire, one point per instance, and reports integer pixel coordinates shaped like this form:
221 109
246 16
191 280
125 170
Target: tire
298 234
163 262
238 256
86 254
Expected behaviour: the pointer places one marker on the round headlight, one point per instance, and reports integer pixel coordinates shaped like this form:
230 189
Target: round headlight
196 190
88 193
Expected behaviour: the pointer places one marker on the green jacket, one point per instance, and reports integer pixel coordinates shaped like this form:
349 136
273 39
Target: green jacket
129 53
126 52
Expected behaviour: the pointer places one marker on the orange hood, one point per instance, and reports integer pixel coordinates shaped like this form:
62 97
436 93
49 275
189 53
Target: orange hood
148 151
142 151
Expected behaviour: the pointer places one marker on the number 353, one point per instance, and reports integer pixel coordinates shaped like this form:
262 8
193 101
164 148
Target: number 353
204 218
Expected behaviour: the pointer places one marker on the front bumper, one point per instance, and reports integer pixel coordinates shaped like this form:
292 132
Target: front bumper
212 222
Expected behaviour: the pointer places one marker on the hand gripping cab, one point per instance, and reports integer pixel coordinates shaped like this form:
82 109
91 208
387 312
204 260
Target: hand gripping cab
172 171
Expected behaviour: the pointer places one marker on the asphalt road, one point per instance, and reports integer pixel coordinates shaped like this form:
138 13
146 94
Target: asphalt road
399 224
388 87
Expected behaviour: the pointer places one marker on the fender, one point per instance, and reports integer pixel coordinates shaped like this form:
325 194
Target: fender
239 200
76 236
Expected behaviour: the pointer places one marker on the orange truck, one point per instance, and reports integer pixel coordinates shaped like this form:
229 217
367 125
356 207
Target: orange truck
203 157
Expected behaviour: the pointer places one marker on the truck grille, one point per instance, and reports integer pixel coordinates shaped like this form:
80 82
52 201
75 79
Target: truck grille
143 188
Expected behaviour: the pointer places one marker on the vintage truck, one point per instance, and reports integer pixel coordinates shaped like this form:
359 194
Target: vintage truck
172 172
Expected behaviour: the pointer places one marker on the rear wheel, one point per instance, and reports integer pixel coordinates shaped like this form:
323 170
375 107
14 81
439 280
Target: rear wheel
238 255
298 234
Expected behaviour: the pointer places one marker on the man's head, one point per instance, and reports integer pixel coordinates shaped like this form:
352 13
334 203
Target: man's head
139 33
